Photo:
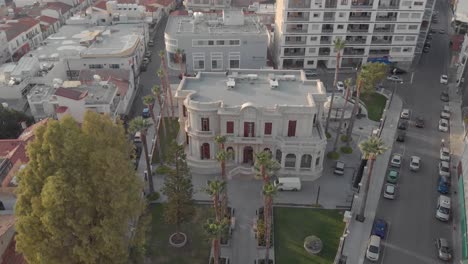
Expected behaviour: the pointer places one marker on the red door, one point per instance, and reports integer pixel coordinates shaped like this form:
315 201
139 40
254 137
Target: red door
248 155
205 151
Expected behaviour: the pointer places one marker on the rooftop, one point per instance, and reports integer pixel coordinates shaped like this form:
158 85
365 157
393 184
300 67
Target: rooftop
265 88
229 22
14 28
82 40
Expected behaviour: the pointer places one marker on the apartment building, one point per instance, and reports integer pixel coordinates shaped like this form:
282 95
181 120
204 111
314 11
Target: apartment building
374 30
216 42
257 110
207 5
23 35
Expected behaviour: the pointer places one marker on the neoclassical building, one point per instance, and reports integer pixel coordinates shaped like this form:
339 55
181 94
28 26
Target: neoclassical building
273 110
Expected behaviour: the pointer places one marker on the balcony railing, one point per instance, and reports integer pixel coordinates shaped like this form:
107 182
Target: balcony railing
294 54
295 42
358 30
355 41
327 30
366 4
297 18
389 6
359 18
296 30
379 30
328 41
381 41
354 53
375 53
324 53
328 18
385 18
299 4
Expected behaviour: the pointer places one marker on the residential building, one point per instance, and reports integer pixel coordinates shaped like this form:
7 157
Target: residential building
374 30
207 5
49 25
214 42
460 17
23 35
4 48
265 12
273 110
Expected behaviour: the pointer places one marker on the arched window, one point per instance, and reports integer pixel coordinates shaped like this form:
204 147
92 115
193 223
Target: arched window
290 161
278 156
230 152
268 150
306 161
205 151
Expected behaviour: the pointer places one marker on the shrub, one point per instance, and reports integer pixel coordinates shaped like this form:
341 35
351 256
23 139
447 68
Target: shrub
333 155
153 197
346 150
344 138
163 169
328 135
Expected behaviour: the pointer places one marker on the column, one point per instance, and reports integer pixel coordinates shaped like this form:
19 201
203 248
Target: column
298 161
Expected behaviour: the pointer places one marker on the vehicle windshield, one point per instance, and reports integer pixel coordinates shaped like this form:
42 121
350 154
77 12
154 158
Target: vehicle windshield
445 153
374 249
444 169
444 210
445 250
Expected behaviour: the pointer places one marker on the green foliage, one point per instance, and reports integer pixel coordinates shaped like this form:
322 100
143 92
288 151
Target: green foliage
328 135
371 74
153 197
78 193
344 138
333 155
265 166
346 150
372 147
179 189
163 169
375 105
10 122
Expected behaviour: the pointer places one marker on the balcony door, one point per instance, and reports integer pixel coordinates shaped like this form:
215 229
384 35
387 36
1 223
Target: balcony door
249 129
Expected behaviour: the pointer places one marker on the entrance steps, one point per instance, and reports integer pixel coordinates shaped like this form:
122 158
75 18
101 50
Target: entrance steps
241 171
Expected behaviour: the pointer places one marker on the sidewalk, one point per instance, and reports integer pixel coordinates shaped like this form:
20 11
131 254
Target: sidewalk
355 244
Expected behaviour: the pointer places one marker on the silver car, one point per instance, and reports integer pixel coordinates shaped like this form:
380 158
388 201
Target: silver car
396 160
415 163
444 168
389 191
444 252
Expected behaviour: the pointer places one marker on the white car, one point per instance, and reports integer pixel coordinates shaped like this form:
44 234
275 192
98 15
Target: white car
445 154
443 79
415 163
394 78
443 125
389 191
405 114
444 168
396 160
373 248
340 86
445 113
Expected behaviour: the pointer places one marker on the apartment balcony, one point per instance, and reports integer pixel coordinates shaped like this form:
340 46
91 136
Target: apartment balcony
385 18
328 18
355 41
362 3
327 30
324 52
379 53
359 18
294 52
381 41
383 30
299 4
295 42
331 3
358 30
296 30
297 16
393 4
353 52
325 41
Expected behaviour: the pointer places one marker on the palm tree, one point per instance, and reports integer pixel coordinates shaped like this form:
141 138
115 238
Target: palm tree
214 189
160 73
157 92
371 149
222 156
162 55
215 229
347 83
269 191
265 166
140 124
339 46
220 140
180 60
354 112
148 100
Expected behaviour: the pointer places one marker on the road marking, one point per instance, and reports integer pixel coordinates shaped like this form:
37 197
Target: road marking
386 238
407 252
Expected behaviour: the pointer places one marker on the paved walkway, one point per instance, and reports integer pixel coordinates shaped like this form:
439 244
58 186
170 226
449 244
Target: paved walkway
355 244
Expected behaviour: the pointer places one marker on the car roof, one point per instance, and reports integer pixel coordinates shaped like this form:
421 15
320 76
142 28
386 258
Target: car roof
443 242
446 107
393 173
340 163
444 163
415 158
390 187
374 239
445 149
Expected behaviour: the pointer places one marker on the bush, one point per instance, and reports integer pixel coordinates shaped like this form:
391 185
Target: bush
153 197
344 138
328 135
163 169
333 155
346 150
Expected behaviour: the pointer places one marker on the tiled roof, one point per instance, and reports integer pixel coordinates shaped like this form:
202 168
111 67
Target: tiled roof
119 77
100 4
16 27
70 93
10 256
47 19
61 109
165 2
7 146
28 133
64 8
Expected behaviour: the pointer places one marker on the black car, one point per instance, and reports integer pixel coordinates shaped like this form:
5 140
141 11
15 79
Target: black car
401 136
426 49
396 71
403 124
444 96
429 36
419 122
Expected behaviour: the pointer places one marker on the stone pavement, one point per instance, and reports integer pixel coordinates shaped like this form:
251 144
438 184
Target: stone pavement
355 243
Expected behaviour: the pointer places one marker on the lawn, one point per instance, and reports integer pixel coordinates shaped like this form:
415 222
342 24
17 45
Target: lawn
292 225
172 131
197 249
375 104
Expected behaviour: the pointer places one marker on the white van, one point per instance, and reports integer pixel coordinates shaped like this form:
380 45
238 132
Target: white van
443 208
288 184
137 137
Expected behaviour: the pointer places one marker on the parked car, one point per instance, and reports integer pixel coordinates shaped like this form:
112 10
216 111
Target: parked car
311 74
403 124
426 49
443 125
339 168
340 86
444 168
396 160
373 248
396 71
144 66
442 31
443 185
444 154
405 114
392 176
444 96
379 228
394 78
401 136
151 43
145 113
444 252
288 184
429 36
445 113
443 79
148 53
389 191
443 208
419 122
415 163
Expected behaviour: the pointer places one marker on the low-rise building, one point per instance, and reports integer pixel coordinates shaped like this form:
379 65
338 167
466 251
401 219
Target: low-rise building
216 42
273 110
207 5
23 35
4 48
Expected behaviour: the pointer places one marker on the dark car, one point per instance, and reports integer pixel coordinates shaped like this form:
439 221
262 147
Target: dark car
401 136
426 49
443 185
403 124
429 36
427 44
396 71
444 96
144 66
419 122
145 113
379 228
432 30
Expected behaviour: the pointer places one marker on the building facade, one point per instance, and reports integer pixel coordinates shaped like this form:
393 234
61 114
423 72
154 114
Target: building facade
213 42
374 30
272 110
207 5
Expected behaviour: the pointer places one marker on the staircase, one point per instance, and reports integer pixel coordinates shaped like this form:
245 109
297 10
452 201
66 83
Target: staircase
241 170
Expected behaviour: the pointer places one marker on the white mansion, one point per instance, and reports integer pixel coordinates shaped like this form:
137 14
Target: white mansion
273 110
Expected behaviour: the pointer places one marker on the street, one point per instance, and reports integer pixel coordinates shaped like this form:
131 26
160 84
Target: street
413 227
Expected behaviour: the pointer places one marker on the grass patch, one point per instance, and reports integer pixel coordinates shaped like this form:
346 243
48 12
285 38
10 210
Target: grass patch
197 249
344 138
328 135
333 155
346 150
293 225
375 104
171 131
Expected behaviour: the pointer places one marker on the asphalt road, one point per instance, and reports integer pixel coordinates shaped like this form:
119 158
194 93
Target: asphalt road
411 217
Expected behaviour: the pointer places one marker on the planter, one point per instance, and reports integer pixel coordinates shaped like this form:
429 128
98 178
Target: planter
222 260
178 240
313 245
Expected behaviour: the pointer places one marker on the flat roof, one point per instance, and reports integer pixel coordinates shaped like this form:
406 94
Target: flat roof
253 86
105 41
214 23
